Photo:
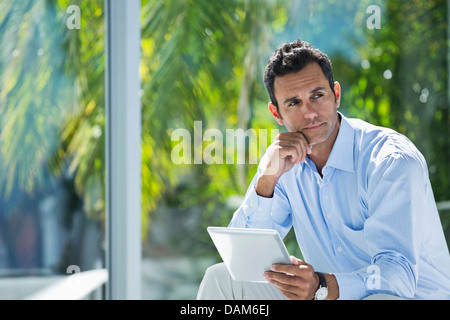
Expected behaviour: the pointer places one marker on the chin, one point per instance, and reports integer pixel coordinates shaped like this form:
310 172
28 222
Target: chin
317 139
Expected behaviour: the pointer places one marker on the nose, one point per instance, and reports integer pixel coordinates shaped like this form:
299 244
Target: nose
310 112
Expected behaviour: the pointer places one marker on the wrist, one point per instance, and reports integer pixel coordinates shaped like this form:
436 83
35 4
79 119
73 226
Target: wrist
333 288
265 185
322 289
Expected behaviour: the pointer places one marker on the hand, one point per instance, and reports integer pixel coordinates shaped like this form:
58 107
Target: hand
289 148
296 282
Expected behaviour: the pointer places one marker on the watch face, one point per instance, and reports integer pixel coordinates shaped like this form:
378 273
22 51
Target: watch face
322 293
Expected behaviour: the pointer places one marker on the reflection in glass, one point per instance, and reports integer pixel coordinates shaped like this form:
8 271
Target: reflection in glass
51 141
203 61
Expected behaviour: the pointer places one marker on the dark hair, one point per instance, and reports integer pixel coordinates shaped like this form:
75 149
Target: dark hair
292 57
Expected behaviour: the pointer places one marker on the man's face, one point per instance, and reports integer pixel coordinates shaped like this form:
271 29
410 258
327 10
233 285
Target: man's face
307 104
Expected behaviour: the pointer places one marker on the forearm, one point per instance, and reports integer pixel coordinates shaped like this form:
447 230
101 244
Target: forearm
265 185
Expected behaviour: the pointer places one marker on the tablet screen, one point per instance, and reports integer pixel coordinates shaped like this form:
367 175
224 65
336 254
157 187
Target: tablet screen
248 253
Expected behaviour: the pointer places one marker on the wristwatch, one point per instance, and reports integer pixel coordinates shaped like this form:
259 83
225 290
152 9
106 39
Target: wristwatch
322 292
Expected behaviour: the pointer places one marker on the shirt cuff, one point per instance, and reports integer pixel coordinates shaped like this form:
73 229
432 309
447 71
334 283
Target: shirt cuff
256 203
351 286
254 212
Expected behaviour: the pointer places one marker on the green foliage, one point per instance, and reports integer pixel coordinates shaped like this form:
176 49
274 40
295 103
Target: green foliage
412 44
203 60
52 98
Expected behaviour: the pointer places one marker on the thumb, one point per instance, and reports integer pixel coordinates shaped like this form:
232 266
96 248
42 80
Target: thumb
296 261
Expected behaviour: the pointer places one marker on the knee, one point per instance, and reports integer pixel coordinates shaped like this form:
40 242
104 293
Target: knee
215 283
217 271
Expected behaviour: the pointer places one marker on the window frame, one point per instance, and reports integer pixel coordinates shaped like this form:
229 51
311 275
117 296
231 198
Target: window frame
123 149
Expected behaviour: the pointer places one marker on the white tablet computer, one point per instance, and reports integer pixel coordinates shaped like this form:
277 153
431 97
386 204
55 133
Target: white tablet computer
247 253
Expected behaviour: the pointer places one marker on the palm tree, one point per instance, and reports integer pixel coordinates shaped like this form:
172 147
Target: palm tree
202 60
51 108
199 62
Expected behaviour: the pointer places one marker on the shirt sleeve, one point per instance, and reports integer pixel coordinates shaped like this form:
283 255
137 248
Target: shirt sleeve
397 192
263 213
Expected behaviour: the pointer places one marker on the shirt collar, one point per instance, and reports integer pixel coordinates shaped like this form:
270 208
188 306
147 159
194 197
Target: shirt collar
341 156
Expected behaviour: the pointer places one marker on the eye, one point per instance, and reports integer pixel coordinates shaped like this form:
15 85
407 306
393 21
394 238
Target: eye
293 103
317 96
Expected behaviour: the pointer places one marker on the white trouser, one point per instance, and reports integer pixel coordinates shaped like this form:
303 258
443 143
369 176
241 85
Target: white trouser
217 284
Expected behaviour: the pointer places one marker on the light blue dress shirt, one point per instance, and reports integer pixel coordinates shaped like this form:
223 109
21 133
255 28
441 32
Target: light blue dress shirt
371 220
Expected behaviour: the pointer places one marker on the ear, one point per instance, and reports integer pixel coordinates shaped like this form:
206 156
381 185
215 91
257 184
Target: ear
273 110
337 92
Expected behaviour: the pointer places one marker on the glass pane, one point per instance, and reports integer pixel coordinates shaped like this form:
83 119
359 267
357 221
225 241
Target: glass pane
202 69
52 119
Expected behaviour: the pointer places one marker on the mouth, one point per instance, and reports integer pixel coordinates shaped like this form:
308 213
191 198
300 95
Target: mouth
314 127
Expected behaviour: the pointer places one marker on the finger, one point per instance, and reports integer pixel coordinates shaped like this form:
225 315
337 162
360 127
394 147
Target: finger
300 146
287 150
307 144
285 287
291 135
300 295
290 151
284 278
290 295
301 269
297 140
296 261
295 290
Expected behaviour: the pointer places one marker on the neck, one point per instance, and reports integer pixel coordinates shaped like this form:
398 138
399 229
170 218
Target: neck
321 151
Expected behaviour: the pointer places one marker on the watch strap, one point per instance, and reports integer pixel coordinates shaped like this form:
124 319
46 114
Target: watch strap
322 281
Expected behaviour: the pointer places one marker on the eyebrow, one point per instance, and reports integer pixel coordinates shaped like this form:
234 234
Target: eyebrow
295 97
317 89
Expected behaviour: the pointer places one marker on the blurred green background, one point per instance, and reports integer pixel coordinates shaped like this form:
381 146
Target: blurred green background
201 60
204 60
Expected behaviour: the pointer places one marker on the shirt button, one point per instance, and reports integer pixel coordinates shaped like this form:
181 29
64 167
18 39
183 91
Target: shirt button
328 215
259 208
339 248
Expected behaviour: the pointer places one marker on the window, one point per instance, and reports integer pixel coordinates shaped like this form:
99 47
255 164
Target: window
115 159
52 143
201 68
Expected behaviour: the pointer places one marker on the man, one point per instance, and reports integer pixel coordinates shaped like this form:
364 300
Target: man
358 196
